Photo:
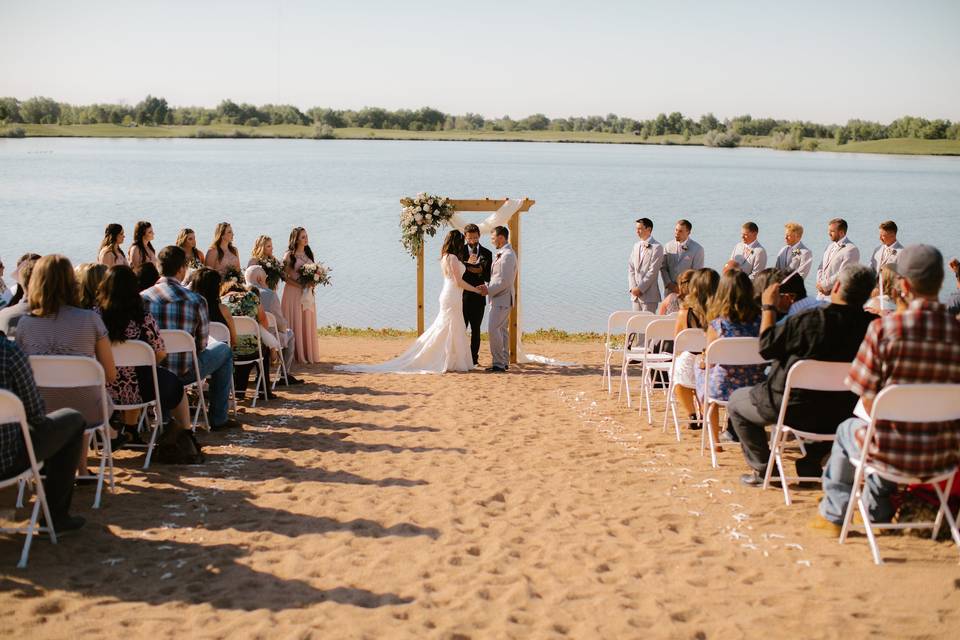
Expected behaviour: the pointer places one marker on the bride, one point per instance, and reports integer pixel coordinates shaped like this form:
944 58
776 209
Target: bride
444 345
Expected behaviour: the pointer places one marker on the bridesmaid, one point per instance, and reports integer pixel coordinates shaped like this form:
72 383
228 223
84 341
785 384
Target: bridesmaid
187 241
262 248
222 256
111 253
141 250
302 321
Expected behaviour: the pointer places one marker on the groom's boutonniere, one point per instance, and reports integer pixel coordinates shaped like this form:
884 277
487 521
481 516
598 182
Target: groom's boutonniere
893 252
747 251
683 247
646 245
796 252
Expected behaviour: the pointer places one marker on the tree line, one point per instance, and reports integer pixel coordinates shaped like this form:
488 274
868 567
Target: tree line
155 111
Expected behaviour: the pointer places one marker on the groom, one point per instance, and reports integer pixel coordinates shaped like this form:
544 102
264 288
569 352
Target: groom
503 273
477 260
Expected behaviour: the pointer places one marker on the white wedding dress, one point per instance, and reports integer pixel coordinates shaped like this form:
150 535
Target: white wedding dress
444 346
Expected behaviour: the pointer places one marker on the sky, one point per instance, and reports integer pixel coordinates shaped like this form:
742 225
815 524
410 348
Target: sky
811 60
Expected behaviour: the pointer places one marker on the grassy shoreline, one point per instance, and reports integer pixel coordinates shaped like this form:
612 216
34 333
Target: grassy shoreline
895 146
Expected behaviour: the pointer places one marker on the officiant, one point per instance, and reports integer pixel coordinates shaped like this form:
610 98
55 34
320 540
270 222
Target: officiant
477 260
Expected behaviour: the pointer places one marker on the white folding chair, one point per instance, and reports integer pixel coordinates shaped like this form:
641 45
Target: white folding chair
179 341
914 403
656 362
815 375
632 353
274 329
246 326
136 353
616 322
726 352
11 411
72 372
693 340
221 333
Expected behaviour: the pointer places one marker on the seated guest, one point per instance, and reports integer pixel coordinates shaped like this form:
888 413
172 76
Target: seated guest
692 315
794 298
111 252
57 438
5 292
953 302
763 279
671 303
147 275
832 333
10 315
89 277
222 256
175 307
270 302
918 346
749 254
126 318
885 301
733 313
57 326
141 249
187 241
17 275
241 301
206 283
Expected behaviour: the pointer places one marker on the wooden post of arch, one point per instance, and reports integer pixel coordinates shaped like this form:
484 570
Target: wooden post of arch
485 205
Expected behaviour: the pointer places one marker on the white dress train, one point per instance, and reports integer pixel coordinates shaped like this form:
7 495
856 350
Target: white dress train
444 346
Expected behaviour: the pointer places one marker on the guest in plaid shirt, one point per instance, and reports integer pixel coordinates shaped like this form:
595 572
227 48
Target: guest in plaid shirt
916 346
56 438
174 306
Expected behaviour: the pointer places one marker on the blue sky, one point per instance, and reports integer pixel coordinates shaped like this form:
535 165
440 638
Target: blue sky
822 61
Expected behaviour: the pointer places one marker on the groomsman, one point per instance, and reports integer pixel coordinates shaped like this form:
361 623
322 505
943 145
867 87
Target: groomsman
477 260
643 268
794 256
840 252
749 254
889 250
680 254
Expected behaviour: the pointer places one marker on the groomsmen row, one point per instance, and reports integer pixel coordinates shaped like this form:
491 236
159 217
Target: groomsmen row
650 262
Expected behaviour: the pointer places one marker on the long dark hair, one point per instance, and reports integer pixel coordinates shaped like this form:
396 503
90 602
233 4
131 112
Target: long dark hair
119 301
218 234
147 275
182 240
206 282
110 235
452 244
140 230
292 247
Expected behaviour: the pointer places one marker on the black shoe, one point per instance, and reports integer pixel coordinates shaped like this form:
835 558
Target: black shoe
694 424
231 423
495 370
123 439
66 524
292 380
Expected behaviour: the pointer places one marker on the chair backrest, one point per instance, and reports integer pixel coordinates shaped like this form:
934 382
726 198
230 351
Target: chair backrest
246 326
11 410
659 330
694 340
817 375
617 320
178 341
639 322
66 372
133 353
734 351
918 403
220 332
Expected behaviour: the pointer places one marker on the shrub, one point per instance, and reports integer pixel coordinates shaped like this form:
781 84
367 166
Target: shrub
785 141
811 144
324 132
718 138
252 122
15 132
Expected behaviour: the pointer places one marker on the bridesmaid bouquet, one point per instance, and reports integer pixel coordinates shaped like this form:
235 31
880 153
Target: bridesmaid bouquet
422 214
312 274
273 269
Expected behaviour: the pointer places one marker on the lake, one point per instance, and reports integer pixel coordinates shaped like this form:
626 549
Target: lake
56 195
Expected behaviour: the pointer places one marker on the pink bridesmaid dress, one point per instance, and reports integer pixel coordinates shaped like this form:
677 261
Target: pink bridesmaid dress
302 321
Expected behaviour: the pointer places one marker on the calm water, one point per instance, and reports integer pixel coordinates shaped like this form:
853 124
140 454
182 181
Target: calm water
58 194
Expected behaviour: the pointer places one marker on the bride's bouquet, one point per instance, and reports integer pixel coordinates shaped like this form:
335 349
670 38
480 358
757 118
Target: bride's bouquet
309 276
422 214
273 269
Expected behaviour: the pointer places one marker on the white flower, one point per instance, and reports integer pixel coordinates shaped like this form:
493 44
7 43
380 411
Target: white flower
418 218
421 195
430 202
425 208
429 218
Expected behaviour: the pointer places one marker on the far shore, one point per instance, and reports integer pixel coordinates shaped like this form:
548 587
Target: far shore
895 146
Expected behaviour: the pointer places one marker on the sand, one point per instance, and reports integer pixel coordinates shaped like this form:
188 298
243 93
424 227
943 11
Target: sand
462 506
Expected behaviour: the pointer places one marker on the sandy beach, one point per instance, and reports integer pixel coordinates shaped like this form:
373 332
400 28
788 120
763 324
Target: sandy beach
525 505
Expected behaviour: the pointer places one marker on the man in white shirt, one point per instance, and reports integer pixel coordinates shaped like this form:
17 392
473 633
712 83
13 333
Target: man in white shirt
643 268
839 253
680 254
795 256
749 254
889 250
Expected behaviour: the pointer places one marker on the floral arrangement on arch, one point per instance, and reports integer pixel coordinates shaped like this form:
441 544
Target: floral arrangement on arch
422 214
273 268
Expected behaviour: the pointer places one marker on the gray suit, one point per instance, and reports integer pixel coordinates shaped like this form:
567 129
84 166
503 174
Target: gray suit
678 257
885 255
795 257
643 269
836 256
501 293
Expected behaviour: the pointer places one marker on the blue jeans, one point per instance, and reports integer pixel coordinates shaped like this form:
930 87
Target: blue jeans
216 361
838 479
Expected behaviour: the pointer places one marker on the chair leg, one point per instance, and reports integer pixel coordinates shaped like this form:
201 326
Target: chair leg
871 536
153 441
713 445
774 443
945 510
21 489
851 505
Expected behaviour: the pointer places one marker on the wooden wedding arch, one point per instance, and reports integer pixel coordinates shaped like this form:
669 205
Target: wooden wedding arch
486 205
